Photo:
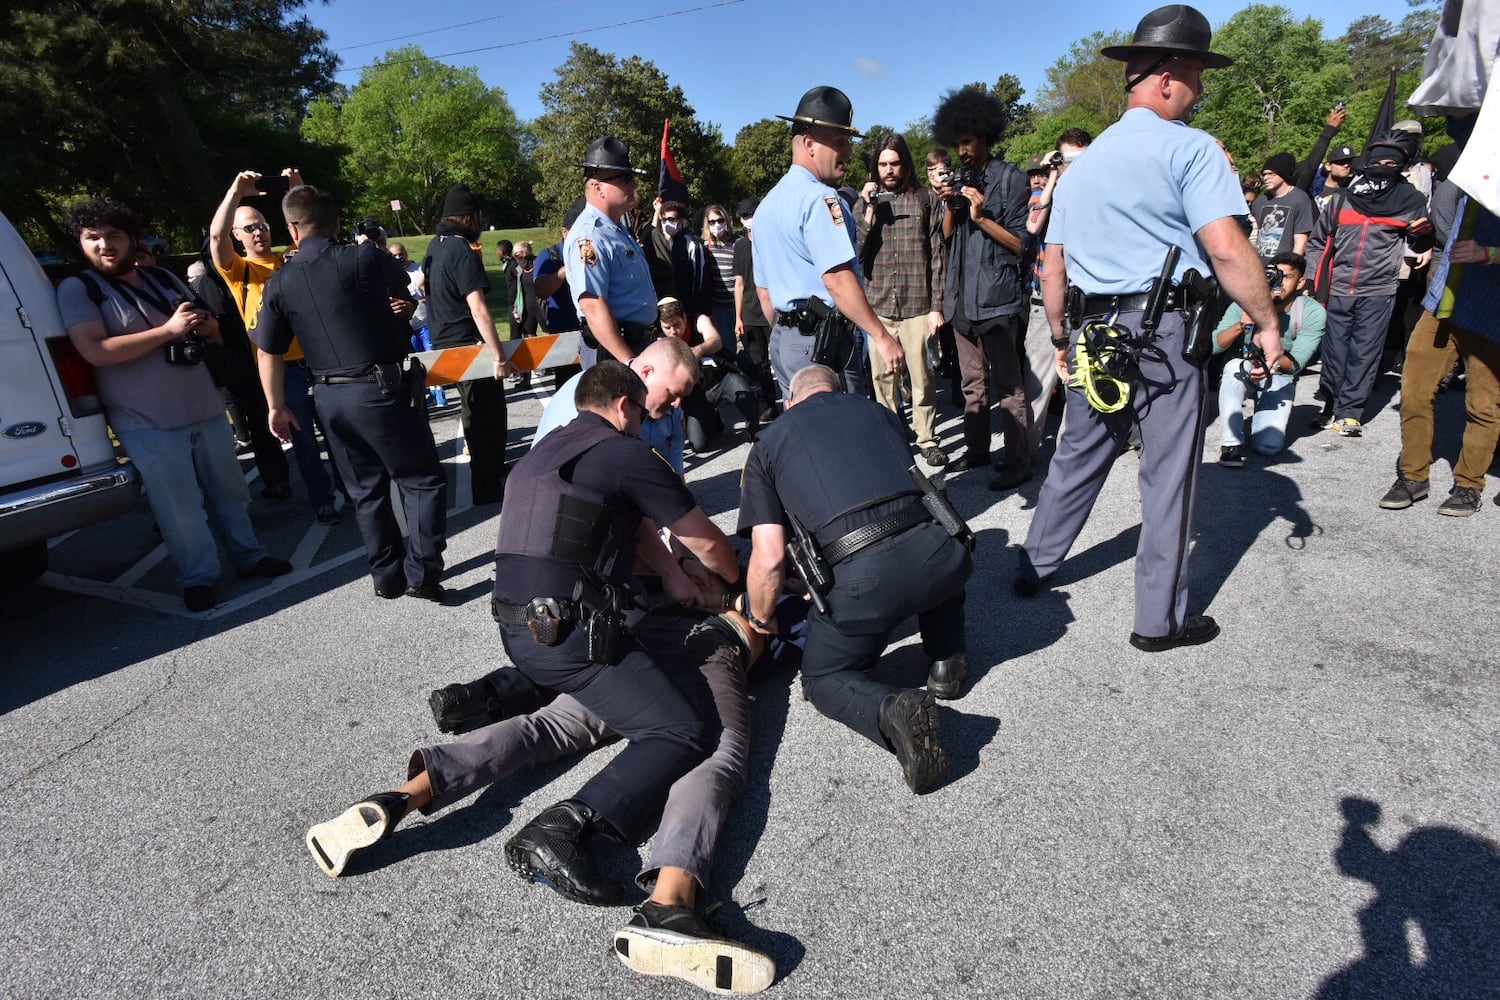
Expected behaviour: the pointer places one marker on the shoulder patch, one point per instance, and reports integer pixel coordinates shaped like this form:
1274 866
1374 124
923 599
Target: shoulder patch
587 252
835 209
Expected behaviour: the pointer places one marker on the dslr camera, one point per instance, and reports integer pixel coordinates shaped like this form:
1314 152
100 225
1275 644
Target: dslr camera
882 198
1057 159
186 352
1274 276
962 177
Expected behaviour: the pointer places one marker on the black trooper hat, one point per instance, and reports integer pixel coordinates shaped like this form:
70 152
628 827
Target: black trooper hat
1175 29
608 153
826 107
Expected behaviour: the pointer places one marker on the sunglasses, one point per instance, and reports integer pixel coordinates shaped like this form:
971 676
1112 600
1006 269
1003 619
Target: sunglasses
621 179
255 227
400 256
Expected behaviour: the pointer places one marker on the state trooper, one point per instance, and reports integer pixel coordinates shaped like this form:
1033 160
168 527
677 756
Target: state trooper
1140 365
805 253
607 270
565 553
348 306
832 475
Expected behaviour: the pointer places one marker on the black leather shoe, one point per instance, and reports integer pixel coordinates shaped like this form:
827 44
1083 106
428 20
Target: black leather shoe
553 850
969 460
457 705
909 722
946 678
434 592
1010 477
1029 586
1197 630
389 593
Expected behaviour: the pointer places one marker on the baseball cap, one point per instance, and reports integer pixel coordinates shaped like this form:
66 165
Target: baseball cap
1340 154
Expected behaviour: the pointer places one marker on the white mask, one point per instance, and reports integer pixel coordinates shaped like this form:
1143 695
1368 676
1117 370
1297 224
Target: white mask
746 223
718 228
671 227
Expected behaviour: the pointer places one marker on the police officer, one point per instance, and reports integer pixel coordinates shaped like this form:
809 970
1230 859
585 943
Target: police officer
836 465
1105 244
582 529
348 306
805 247
607 269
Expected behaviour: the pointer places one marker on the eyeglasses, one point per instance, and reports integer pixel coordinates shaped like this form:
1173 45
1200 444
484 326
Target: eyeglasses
255 227
640 407
672 218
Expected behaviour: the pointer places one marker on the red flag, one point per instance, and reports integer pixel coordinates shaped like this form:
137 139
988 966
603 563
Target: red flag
669 182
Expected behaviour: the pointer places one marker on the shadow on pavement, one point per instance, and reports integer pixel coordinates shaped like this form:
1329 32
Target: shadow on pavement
1433 929
1248 501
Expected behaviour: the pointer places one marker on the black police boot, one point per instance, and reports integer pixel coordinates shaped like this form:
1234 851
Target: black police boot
946 678
553 850
909 723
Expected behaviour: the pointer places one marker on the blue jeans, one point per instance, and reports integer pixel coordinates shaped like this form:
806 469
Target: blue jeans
1273 408
304 438
192 479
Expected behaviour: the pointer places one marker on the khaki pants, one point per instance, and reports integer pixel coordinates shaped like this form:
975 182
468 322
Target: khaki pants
1434 345
912 335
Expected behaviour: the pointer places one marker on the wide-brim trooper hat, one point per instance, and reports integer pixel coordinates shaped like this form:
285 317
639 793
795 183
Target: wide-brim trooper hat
608 153
826 107
1175 29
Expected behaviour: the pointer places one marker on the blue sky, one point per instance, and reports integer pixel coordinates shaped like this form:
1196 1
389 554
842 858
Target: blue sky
747 60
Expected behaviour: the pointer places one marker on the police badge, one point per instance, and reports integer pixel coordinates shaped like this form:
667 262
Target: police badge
587 252
835 209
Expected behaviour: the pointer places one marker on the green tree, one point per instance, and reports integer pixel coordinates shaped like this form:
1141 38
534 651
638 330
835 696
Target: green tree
1085 79
1047 128
762 152
1276 95
595 94
412 127
1375 46
154 102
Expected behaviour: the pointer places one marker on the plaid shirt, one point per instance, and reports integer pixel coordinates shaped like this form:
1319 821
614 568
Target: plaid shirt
902 264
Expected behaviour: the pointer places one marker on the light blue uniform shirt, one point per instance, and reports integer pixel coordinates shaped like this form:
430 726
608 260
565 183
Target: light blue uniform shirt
1144 185
665 434
604 260
803 230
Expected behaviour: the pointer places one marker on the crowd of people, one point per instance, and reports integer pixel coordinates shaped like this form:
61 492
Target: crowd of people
1133 268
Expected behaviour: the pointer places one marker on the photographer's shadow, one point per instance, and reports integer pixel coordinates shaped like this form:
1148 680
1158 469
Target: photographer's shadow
1433 929
1259 498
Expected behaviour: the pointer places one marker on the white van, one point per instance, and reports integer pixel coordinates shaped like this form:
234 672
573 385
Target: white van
58 469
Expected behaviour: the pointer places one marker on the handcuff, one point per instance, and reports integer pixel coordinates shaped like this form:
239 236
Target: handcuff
766 628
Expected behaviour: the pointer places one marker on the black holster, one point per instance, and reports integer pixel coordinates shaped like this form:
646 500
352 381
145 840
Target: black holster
937 504
600 606
1206 305
808 563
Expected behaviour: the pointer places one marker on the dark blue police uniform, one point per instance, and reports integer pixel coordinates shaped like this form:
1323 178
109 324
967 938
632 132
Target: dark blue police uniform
336 300
838 462
578 498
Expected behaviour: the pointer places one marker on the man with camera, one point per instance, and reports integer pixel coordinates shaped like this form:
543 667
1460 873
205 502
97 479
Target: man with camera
236 227
984 222
143 332
349 306
1272 389
875 547
901 258
805 253
606 267
1108 250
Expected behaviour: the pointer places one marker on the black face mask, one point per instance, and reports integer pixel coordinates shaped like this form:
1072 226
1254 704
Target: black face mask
1375 178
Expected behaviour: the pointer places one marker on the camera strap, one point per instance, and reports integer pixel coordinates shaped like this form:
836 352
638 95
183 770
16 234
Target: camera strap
136 298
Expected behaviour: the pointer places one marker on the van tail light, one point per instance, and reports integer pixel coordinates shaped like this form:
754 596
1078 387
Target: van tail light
77 377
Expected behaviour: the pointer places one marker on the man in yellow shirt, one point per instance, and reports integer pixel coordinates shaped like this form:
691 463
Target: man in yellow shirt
234 226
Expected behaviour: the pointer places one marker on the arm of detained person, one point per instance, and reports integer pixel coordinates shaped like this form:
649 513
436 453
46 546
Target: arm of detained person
479 309
847 293
1243 276
767 572
653 554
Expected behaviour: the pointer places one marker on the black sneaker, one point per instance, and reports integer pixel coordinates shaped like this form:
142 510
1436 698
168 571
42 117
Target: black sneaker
1011 476
1232 456
1197 630
1324 420
267 566
1403 493
676 941
368 822
909 722
457 705
1462 502
199 598
553 850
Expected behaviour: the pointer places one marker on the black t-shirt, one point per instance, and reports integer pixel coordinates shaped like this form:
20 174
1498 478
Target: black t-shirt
453 269
744 267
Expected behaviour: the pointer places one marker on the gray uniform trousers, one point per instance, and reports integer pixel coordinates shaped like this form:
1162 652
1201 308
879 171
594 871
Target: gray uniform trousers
1167 404
697 805
1041 374
792 350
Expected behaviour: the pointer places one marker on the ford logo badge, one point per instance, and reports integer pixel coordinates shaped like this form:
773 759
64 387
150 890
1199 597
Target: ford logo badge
29 429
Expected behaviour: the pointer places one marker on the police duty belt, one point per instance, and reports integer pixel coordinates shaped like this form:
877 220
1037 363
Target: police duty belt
863 537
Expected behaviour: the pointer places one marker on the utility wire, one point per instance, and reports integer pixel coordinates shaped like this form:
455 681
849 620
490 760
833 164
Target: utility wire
433 31
548 38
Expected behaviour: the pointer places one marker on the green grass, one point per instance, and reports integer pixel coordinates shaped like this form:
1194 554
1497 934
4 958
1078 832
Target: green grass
416 249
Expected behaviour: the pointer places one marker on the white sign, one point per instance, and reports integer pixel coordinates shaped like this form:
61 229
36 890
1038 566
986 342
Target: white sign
395 205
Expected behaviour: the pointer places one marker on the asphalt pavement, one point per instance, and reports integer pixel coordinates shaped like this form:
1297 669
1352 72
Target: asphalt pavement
1305 807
